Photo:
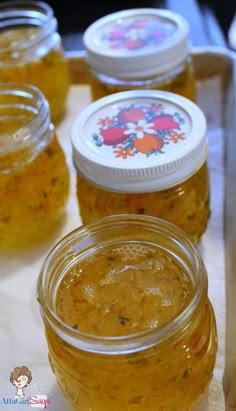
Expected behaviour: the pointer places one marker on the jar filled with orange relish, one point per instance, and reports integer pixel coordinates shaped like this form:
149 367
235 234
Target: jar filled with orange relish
31 50
142 48
34 178
143 152
128 322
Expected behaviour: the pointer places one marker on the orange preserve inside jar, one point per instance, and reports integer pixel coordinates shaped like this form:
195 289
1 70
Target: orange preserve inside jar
142 48
128 322
34 178
143 152
31 50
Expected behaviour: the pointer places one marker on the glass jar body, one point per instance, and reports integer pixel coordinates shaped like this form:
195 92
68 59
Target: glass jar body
169 378
186 204
34 177
125 374
32 53
34 198
179 80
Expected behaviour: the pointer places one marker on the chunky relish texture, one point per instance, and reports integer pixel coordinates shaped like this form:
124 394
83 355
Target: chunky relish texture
125 289
46 70
186 204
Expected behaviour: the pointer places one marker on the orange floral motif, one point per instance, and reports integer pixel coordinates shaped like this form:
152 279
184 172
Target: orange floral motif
156 107
175 137
123 152
148 143
107 121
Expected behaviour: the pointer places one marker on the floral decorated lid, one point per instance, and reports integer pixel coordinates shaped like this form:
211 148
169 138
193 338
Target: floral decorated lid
139 141
137 43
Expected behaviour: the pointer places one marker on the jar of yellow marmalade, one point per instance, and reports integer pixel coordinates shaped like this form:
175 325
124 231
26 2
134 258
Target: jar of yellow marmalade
127 317
31 50
34 178
141 48
143 152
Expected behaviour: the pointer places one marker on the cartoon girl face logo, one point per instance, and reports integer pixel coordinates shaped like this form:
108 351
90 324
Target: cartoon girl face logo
20 377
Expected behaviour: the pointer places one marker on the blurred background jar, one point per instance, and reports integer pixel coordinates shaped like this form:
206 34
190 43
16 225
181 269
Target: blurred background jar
127 317
34 178
143 48
143 152
31 50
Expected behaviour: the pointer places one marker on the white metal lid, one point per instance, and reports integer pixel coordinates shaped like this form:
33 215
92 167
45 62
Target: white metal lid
139 141
137 43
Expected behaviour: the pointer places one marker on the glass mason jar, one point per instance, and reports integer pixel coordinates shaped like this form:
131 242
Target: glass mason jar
31 50
34 178
144 48
128 322
143 152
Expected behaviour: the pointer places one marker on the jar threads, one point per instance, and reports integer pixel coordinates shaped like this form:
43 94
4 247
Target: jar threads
34 178
31 51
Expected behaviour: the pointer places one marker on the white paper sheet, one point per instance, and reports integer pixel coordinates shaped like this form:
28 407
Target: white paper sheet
22 339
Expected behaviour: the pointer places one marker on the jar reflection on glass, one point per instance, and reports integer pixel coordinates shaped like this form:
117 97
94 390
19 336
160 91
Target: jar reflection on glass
143 152
154 345
143 48
34 178
31 51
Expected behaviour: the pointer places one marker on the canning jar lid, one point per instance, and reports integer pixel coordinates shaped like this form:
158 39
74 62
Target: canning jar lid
137 43
139 141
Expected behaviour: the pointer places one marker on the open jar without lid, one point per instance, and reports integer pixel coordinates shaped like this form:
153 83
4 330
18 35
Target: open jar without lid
31 50
34 178
143 48
143 152
127 317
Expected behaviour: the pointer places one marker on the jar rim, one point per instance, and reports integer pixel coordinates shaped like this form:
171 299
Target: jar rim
58 257
31 135
28 12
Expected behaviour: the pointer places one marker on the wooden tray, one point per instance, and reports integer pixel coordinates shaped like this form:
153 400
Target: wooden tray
21 330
